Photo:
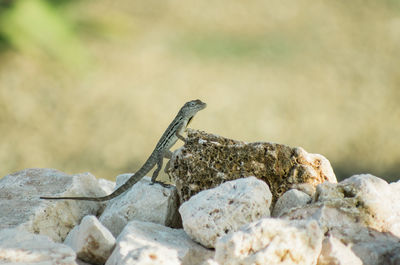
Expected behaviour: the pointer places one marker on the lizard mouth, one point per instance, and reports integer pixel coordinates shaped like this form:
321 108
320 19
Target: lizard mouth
203 105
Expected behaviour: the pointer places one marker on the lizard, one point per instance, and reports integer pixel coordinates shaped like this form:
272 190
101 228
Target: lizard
161 151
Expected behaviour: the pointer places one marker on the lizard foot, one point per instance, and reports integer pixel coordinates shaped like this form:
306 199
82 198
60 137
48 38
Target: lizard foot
165 185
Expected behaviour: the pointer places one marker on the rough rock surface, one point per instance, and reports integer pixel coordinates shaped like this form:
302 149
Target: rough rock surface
146 255
142 239
361 211
213 213
21 207
207 160
366 199
289 200
145 202
107 185
271 241
20 247
91 241
334 252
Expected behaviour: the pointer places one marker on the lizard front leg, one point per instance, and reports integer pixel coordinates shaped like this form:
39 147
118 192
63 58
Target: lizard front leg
168 154
179 132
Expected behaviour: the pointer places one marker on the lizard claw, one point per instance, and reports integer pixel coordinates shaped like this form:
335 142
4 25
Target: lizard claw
165 185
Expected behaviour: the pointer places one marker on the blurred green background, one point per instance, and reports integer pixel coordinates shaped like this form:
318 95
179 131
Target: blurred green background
91 85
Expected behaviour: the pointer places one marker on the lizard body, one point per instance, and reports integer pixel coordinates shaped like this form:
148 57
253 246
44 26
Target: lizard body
162 150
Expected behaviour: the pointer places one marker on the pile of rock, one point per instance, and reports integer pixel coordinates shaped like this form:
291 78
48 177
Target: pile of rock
277 205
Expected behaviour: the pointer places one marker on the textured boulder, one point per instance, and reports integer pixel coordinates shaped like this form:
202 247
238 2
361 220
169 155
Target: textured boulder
139 240
361 211
289 200
107 185
21 207
213 213
146 255
207 160
21 247
366 199
271 241
334 252
91 241
145 202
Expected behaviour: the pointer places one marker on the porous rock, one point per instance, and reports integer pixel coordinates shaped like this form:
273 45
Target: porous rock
143 239
271 241
146 255
21 207
210 262
106 185
207 160
367 199
18 246
213 213
334 252
361 211
368 244
144 202
91 241
291 199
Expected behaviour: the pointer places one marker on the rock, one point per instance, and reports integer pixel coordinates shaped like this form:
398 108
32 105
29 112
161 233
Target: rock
271 241
144 239
107 185
369 200
213 213
21 207
145 202
146 255
80 262
210 262
334 252
289 200
121 179
91 241
207 160
307 188
371 246
361 211
21 247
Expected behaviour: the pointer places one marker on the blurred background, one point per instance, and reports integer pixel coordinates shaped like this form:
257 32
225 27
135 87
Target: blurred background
91 85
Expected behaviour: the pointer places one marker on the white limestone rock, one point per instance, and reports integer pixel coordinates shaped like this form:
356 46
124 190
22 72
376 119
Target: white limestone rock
21 247
141 238
315 163
210 262
289 200
213 213
121 179
145 202
146 255
107 185
21 207
307 188
91 241
367 198
371 246
271 241
334 252
361 211
361 200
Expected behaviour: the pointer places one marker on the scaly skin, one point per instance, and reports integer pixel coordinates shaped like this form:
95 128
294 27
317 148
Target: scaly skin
162 150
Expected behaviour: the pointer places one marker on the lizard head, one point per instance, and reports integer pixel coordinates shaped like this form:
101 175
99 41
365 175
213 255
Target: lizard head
192 107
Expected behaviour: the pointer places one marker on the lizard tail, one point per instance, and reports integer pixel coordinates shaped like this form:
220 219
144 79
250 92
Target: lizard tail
148 165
